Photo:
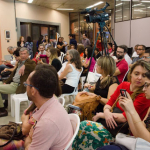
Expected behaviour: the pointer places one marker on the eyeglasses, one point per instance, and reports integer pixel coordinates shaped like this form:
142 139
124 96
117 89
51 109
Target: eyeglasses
119 52
146 85
146 57
25 84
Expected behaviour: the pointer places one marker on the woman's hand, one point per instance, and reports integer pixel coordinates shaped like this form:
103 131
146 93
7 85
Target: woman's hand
109 117
126 103
97 116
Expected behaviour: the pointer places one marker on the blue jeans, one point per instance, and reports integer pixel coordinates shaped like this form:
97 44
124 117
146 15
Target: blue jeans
2 67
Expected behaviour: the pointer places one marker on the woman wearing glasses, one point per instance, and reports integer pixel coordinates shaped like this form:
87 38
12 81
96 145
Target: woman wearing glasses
139 128
134 87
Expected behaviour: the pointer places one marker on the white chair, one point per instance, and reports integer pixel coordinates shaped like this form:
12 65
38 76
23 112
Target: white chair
61 57
61 100
73 94
75 122
15 105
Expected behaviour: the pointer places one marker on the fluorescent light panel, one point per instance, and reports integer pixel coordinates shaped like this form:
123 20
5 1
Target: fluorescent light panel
119 4
65 9
145 1
96 4
30 1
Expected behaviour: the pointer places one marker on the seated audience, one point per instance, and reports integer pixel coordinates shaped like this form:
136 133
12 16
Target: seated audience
52 54
109 45
6 63
21 42
90 129
86 61
80 49
107 83
52 129
140 51
72 40
61 45
17 58
99 44
72 46
122 65
29 45
135 52
139 128
114 48
146 55
127 57
14 84
97 53
72 71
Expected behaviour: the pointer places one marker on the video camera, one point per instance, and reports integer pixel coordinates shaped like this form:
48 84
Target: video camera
93 17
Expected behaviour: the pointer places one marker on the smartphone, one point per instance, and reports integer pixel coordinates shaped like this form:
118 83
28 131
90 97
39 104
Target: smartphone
123 93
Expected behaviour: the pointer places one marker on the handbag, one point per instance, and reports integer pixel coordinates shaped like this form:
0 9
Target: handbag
131 142
121 127
12 131
87 104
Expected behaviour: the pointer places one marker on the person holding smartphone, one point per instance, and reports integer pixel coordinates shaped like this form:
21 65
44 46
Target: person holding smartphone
134 87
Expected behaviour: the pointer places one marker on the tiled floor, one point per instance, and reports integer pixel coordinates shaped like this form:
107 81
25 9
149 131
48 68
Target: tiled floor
24 105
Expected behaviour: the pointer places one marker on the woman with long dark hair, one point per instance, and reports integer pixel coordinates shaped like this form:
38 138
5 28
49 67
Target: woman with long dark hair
21 42
86 60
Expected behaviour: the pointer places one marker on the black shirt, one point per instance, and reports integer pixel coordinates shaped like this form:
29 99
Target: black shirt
63 48
57 64
103 92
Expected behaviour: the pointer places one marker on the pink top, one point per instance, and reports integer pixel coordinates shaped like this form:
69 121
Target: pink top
92 63
53 130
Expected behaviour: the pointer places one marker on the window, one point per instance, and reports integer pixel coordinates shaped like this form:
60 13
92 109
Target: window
140 9
122 10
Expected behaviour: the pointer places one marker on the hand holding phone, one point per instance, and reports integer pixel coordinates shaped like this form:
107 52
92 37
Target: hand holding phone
123 93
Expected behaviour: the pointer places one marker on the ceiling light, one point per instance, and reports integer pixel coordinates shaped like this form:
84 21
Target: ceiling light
145 1
119 4
94 5
137 5
65 9
30 1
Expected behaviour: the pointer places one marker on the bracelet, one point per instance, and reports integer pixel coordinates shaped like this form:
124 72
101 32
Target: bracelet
137 122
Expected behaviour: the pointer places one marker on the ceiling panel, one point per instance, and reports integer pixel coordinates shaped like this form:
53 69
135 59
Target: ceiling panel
77 5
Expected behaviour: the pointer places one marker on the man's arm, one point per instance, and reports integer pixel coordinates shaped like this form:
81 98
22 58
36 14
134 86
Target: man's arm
117 72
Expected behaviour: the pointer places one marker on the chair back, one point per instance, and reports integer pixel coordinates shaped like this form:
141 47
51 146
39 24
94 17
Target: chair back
75 122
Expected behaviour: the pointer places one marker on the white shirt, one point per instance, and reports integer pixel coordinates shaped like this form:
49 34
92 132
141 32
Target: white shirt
128 59
62 68
135 54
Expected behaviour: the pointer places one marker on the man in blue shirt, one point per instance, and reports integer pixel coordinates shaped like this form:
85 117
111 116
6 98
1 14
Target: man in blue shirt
72 40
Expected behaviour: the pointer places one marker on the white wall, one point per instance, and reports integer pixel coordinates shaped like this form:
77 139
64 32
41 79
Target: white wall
122 33
27 11
140 32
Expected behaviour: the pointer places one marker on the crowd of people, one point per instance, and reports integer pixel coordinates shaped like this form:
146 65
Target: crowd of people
56 69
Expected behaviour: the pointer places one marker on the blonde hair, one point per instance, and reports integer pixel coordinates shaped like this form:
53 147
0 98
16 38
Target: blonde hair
108 64
53 54
146 66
